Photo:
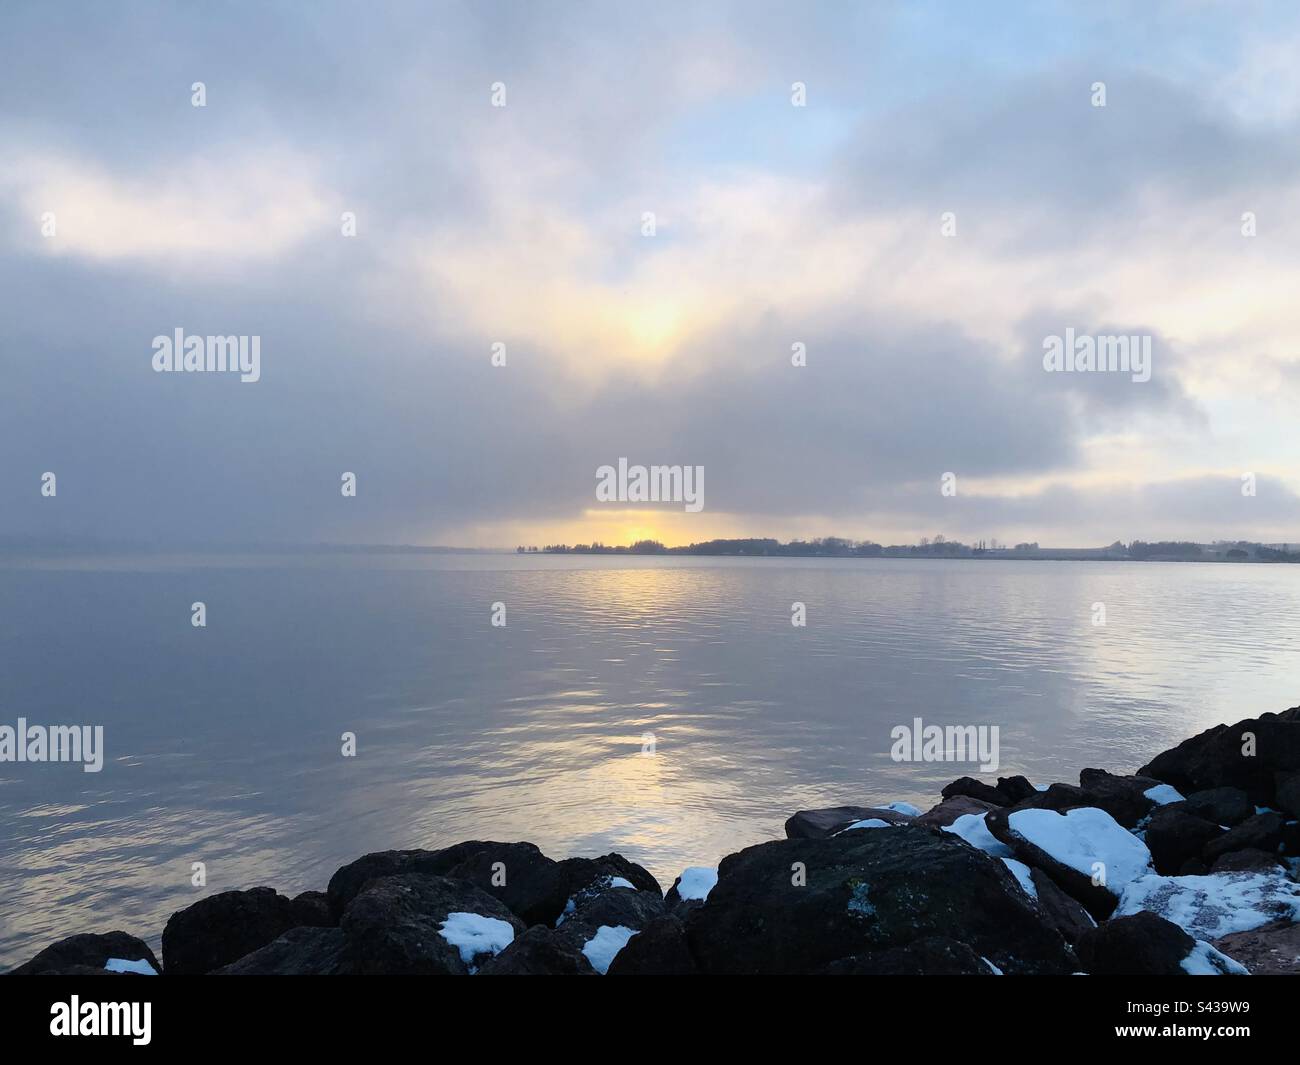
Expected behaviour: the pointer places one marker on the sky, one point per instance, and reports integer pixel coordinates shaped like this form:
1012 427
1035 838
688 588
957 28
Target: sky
948 195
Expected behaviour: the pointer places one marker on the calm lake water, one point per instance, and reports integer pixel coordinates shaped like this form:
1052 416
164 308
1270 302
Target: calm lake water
223 743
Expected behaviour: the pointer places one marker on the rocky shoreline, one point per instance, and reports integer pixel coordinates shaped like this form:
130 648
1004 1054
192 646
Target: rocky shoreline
1188 867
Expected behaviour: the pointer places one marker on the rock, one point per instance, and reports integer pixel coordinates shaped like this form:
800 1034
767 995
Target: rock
1174 837
1286 792
1193 867
303 951
581 873
540 951
659 949
1222 806
395 924
1124 798
1072 848
795 906
1291 839
934 956
89 951
535 887
311 909
1141 945
1270 950
1017 789
351 878
690 890
222 928
950 809
1060 911
1247 755
977 789
1246 861
616 906
819 824
1261 832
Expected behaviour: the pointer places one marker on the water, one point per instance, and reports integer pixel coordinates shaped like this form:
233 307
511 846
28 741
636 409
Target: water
223 743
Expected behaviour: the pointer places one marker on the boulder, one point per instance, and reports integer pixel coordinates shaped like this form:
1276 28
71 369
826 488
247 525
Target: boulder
535 888
659 949
1141 945
617 906
1085 850
540 951
303 951
351 878
1270 950
1017 789
795 906
949 810
691 889
311 909
402 925
1246 861
581 873
1222 806
977 789
222 928
1060 911
1124 798
818 824
1261 832
1247 755
933 956
1174 837
1286 792
89 951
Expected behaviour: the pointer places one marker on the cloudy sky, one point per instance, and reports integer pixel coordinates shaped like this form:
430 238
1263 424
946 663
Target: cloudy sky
774 225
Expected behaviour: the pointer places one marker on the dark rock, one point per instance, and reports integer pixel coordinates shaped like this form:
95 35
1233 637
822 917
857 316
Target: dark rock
311 909
819 824
540 951
394 924
1270 950
795 906
535 887
1141 945
581 873
351 878
1193 867
222 928
1247 755
618 907
1286 792
1017 789
1291 839
303 951
1246 861
89 951
977 789
1059 910
1174 837
933 956
1123 798
1262 832
949 810
659 949
1223 806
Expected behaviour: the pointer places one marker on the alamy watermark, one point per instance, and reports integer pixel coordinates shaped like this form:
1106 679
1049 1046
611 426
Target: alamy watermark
651 484
53 743
1084 353
211 354
919 742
